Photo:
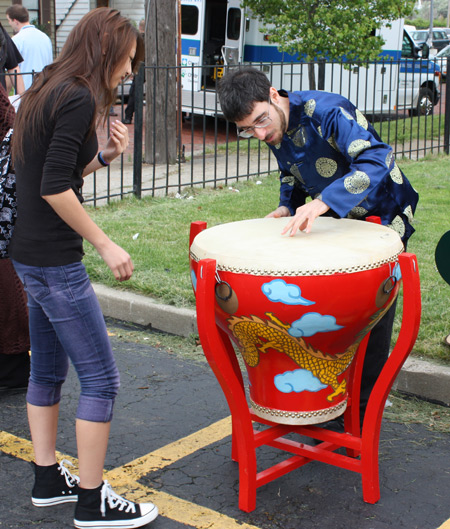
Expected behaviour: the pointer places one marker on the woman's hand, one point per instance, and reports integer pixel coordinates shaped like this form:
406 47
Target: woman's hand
117 142
117 259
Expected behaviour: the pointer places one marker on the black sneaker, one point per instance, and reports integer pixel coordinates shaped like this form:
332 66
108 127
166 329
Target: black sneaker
102 508
54 485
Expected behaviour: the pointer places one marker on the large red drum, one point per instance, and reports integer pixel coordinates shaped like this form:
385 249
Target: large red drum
298 307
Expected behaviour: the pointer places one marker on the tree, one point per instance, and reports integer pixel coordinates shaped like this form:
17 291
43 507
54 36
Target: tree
328 29
440 10
160 59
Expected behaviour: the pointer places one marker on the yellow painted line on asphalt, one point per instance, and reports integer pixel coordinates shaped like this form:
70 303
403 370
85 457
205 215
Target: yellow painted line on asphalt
179 510
173 452
15 446
445 525
125 478
23 449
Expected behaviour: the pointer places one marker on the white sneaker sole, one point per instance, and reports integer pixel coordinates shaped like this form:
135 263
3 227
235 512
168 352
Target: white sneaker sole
57 500
119 524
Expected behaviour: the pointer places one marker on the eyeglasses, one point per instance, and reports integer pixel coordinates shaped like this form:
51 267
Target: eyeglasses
248 132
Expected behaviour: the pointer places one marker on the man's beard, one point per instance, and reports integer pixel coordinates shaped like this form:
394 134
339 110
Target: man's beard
276 136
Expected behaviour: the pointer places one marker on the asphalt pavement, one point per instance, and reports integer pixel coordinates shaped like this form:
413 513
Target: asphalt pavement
170 443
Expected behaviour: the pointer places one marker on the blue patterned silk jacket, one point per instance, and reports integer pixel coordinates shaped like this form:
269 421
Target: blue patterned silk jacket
331 152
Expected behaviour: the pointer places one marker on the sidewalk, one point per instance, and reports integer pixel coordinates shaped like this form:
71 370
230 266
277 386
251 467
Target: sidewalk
418 377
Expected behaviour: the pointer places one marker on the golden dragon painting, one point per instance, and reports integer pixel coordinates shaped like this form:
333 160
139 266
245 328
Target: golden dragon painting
256 336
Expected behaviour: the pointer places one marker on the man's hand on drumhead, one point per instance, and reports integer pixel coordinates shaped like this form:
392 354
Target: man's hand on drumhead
281 211
305 216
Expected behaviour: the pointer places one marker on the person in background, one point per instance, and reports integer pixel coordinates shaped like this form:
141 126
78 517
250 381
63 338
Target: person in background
34 45
10 59
56 147
129 110
327 151
14 335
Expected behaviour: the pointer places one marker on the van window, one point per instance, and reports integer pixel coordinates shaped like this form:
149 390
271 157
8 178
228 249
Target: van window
234 23
189 20
407 47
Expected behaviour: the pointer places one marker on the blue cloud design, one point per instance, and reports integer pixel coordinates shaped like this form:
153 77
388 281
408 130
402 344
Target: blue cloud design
312 323
298 381
194 280
280 291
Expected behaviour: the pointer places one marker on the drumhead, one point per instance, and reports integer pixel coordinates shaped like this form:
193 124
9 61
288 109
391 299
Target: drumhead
257 247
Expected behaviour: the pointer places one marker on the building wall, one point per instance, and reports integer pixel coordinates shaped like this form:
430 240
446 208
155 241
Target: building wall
133 10
4 4
47 18
69 12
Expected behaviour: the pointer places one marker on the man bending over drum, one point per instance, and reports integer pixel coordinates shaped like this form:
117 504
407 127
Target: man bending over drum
326 150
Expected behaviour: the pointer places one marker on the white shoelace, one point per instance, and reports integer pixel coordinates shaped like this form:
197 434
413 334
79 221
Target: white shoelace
114 500
71 479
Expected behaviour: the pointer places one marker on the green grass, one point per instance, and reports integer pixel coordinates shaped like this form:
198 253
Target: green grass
402 131
432 180
160 251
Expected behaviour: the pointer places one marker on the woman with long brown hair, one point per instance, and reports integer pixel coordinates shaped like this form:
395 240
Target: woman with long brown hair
55 147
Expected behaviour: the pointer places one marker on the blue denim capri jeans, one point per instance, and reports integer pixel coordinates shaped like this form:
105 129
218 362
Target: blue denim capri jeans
66 322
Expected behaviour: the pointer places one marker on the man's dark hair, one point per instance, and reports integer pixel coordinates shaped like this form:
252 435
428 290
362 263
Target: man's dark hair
239 90
18 12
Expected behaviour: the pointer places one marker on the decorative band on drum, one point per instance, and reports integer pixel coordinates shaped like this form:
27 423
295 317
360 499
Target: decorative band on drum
312 272
299 417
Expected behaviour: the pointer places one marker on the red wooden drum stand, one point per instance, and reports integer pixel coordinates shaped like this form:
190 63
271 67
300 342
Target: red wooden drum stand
361 446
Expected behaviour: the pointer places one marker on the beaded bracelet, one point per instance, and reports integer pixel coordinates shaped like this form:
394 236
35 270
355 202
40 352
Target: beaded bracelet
101 159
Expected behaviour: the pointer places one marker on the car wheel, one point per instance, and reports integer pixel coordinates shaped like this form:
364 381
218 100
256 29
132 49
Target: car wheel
425 103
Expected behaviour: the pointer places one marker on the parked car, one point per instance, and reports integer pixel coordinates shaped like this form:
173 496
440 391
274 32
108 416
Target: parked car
440 38
441 59
123 90
418 75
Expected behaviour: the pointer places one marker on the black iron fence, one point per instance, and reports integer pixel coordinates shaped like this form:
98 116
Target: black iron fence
179 138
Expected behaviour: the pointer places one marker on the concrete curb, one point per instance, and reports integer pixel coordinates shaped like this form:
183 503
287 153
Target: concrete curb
418 377
424 379
142 310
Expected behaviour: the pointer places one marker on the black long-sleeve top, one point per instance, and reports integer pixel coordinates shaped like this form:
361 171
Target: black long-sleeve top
53 163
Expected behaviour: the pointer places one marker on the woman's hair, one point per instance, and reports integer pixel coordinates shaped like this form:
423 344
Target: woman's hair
94 49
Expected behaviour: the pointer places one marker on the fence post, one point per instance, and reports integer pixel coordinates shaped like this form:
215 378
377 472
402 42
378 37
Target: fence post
447 112
138 128
321 77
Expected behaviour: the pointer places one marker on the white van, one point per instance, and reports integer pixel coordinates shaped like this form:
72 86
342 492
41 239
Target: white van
219 32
